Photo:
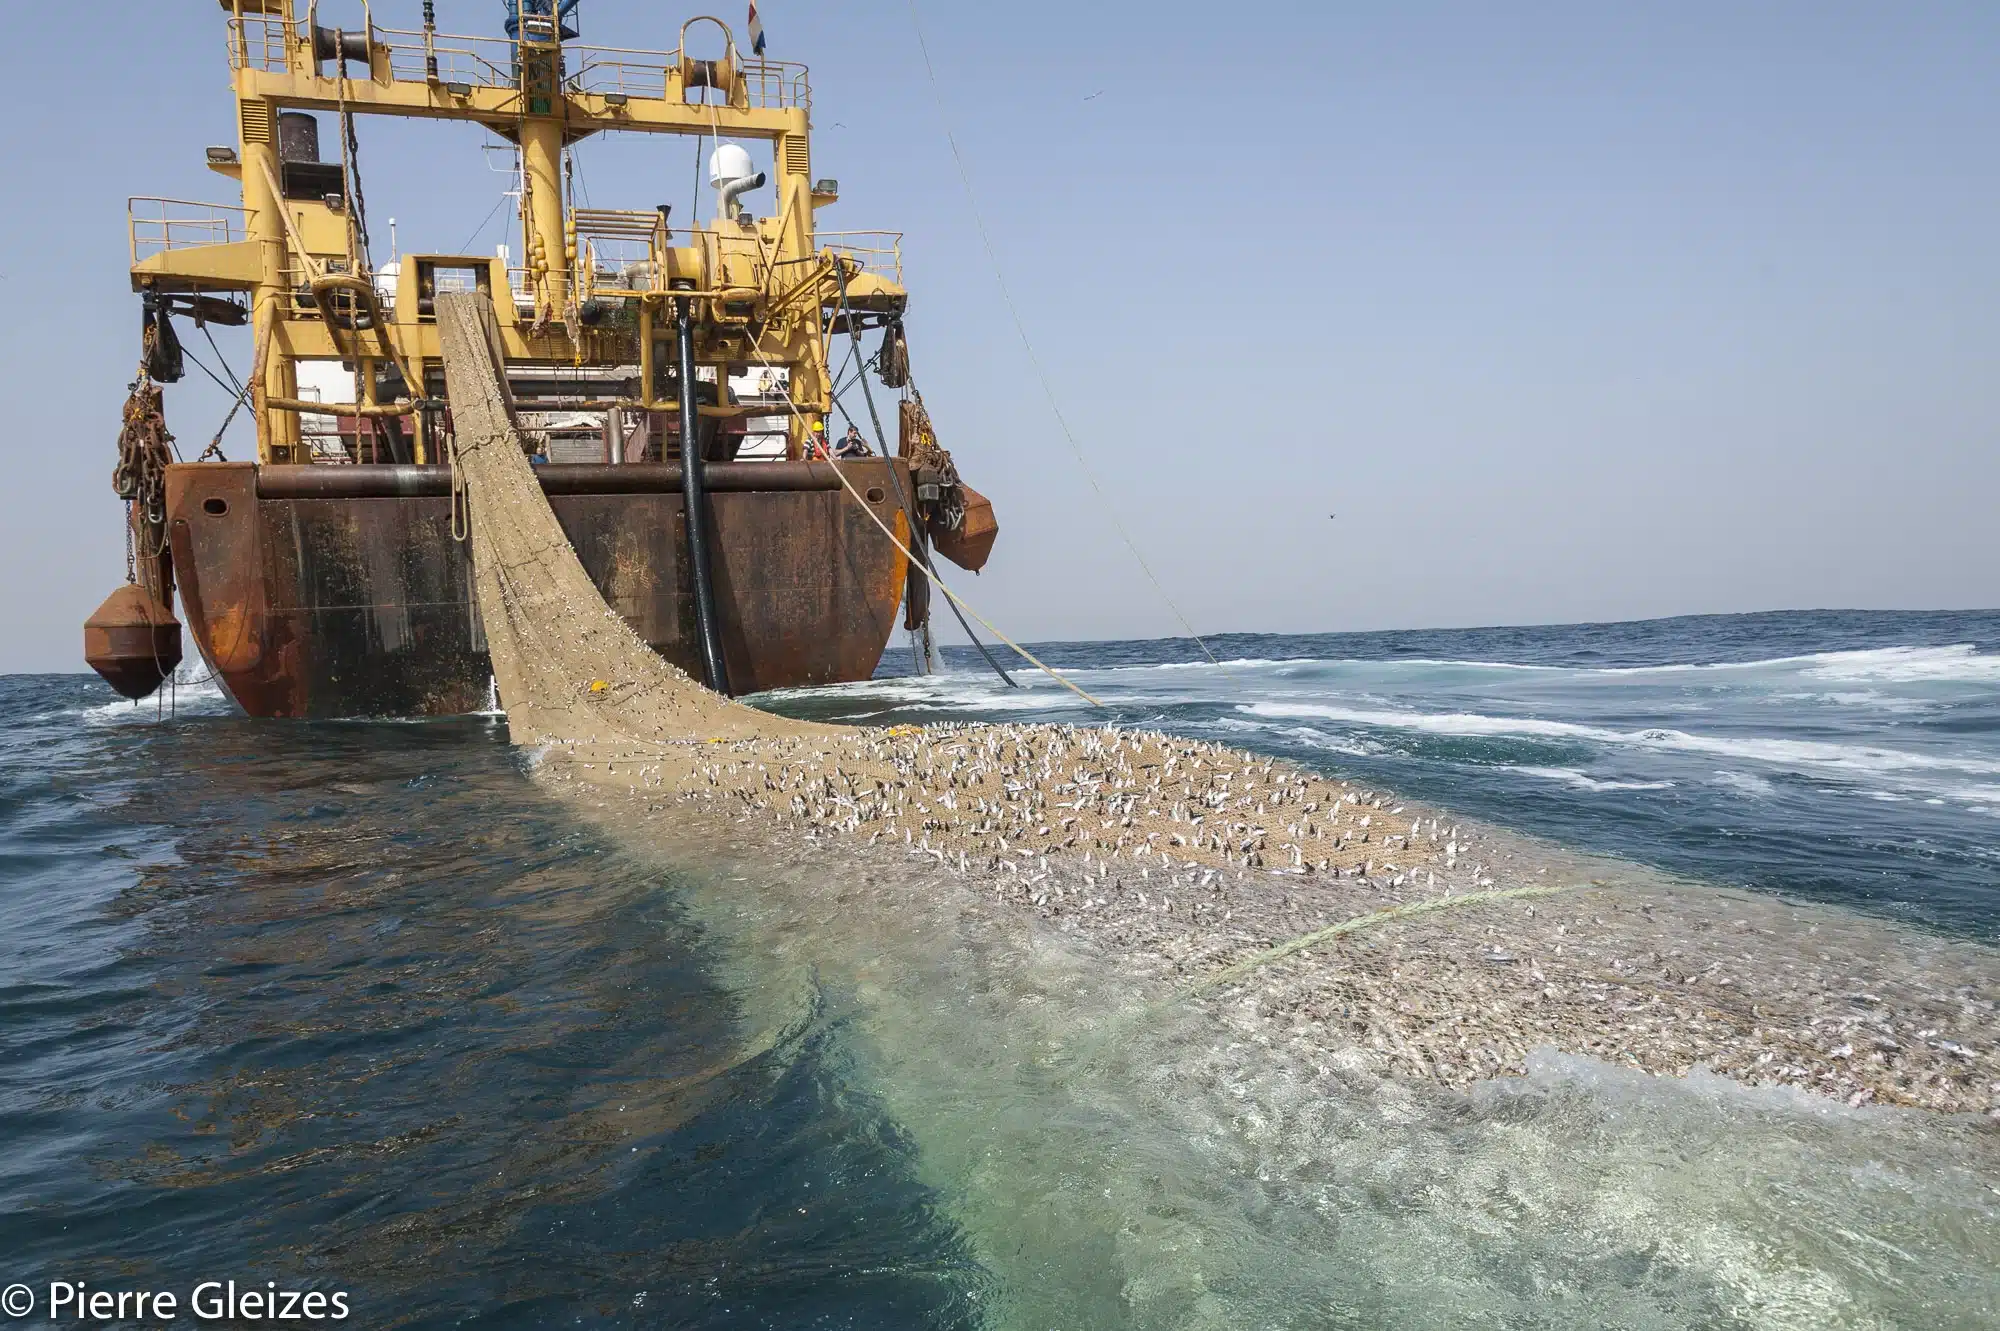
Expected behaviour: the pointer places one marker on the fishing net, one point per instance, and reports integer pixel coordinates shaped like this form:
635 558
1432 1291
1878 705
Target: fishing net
568 666
1401 939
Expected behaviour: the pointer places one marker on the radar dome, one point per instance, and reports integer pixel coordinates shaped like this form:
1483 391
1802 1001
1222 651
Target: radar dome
729 164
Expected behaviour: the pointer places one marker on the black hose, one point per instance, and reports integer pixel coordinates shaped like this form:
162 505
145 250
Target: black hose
694 499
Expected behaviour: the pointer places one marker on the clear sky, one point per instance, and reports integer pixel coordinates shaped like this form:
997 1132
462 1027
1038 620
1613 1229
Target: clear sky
1568 311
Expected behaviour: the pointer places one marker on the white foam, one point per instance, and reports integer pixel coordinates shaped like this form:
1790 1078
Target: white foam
1790 753
1746 782
1239 663
1353 746
1251 663
192 697
956 691
1569 776
1871 698
1886 665
1962 663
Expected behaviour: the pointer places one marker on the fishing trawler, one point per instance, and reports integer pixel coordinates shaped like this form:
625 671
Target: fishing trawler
675 377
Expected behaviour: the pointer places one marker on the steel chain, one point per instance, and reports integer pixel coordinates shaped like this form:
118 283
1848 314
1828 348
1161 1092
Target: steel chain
144 448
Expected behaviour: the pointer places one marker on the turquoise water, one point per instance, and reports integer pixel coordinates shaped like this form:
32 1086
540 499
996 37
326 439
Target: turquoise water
363 1007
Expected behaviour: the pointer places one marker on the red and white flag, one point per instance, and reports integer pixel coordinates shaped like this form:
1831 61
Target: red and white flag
756 30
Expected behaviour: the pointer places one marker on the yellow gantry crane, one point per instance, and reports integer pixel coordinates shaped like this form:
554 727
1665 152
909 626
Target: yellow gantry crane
593 290
662 341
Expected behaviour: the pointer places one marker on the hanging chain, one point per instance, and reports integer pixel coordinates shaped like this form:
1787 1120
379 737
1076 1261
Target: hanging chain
926 452
350 170
144 449
360 201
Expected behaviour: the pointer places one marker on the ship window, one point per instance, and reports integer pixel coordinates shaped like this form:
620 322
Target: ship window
875 494
215 507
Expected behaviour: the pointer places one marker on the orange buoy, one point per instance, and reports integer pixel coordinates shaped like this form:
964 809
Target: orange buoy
133 641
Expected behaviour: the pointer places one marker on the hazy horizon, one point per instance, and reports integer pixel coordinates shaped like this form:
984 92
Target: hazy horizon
1571 315
898 648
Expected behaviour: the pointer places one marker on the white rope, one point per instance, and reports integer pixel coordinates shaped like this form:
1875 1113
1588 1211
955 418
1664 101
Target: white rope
1020 326
688 459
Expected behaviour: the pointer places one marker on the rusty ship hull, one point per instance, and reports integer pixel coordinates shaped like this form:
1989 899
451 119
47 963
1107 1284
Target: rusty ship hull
330 592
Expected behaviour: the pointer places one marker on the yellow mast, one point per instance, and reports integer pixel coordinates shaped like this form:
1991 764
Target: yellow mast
542 198
541 139
278 433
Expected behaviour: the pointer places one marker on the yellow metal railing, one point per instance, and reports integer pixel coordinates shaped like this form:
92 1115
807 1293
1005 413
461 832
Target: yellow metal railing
262 41
768 85
878 252
154 225
777 84
479 62
259 41
610 240
604 69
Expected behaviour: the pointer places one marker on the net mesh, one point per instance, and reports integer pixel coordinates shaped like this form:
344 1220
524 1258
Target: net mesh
568 667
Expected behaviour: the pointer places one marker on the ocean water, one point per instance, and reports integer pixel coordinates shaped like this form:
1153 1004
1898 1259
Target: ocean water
357 1006
361 1007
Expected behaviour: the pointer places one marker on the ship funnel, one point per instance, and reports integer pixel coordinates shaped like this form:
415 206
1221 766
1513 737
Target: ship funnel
298 136
731 171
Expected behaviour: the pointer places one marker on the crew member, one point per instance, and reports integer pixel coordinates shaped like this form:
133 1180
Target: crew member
852 445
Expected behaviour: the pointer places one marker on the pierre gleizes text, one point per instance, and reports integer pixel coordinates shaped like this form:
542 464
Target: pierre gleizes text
209 1301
